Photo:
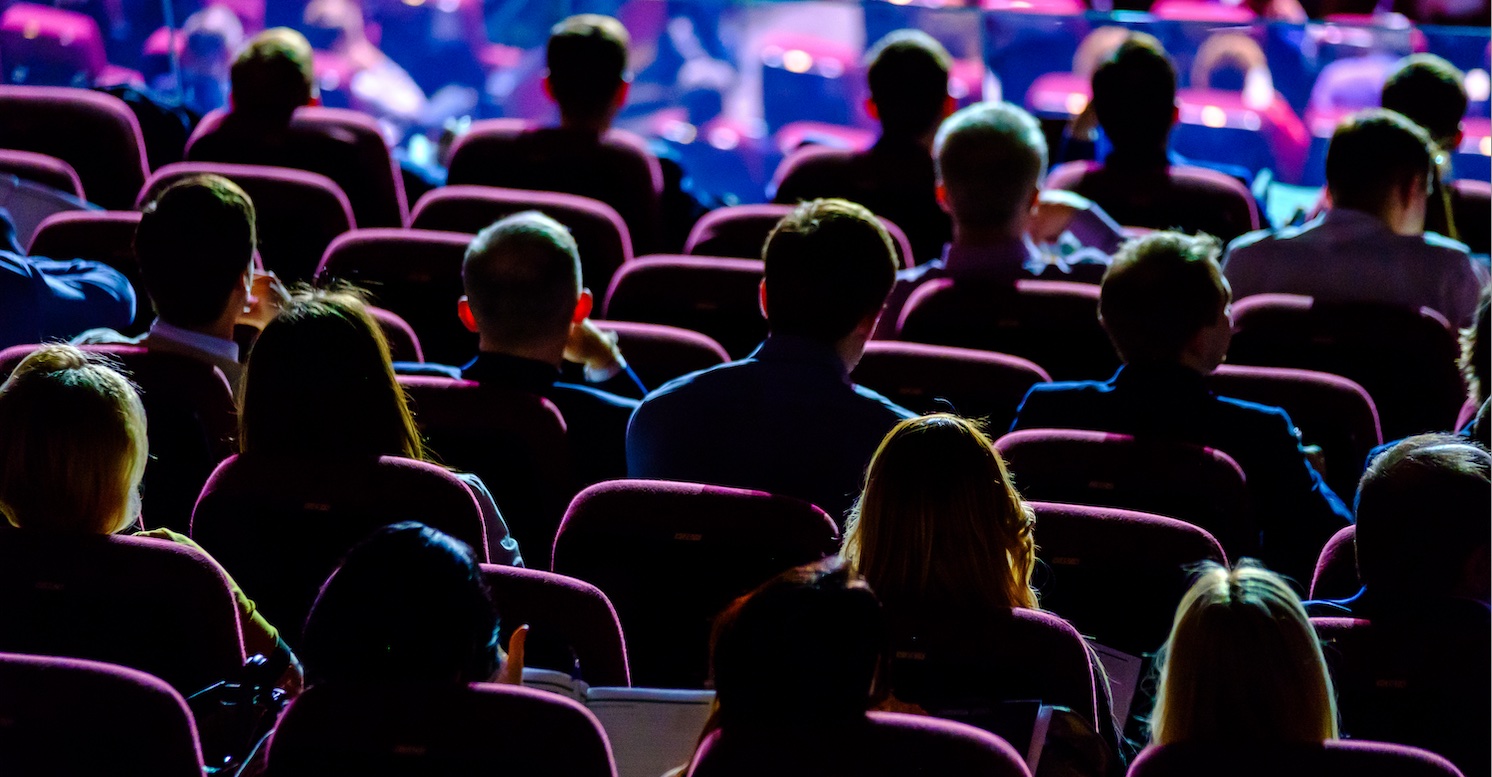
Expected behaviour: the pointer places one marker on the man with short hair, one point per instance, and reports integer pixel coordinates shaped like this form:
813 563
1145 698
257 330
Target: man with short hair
1371 246
1164 304
787 419
907 73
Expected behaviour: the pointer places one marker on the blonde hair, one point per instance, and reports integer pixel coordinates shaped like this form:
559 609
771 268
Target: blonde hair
940 523
1242 664
72 444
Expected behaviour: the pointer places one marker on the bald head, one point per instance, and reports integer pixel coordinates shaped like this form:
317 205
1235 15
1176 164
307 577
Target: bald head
990 158
522 281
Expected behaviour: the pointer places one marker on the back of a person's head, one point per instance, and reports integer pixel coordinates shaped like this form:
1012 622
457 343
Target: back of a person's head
1160 290
939 523
1242 665
1476 350
908 75
1430 92
72 444
801 651
406 605
1134 93
990 159
212 36
320 380
522 280
195 241
829 266
1422 514
273 76
1373 158
587 58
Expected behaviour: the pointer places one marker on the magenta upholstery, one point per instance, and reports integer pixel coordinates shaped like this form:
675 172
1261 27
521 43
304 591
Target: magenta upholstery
572 626
1336 569
151 605
1201 486
65 716
1201 11
599 232
1117 574
192 420
95 133
46 170
717 297
1467 414
1330 411
415 274
1192 199
281 524
659 353
671 556
514 441
475 729
740 231
404 344
298 213
1405 359
889 744
934 378
1052 323
1360 759
47 45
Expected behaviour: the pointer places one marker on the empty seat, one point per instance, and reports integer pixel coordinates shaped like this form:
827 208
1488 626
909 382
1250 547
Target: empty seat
95 133
1405 359
415 274
599 232
659 353
1330 411
151 605
102 236
1191 199
473 729
404 344
281 524
740 231
717 297
1201 486
572 625
191 419
1116 574
1361 759
888 744
935 378
671 556
1336 569
1052 323
65 716
46 170
297 213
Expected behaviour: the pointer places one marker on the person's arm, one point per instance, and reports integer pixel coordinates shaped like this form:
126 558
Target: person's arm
76 295
501 547
259 636
1298 512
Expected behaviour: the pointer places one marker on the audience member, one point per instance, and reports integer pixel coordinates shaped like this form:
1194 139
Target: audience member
43 299
325 351
211 38
525 300
377 84
787 419
195 245
1476 366
908 77
1371 246
72 455
1165 306
1242 666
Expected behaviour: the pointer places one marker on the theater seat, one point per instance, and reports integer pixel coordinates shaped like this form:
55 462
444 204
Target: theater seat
102 236
95 133
49 171
741 231
572 625
659 353
1361 759
1191 199
1336 569
714 296
935 378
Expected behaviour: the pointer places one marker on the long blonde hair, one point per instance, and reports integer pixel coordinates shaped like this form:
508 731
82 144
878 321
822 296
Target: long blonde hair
1242 665
940 523
72 444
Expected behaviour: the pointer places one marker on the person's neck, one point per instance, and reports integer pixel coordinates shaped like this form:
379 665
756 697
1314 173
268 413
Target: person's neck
222 329
1141 154
923 141
547 353
592 125
983 235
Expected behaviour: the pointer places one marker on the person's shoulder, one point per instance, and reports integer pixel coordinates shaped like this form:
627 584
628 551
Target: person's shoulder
1254 417
105 336
881 404
707 379
1250 242
1069 388
1440 245
595 396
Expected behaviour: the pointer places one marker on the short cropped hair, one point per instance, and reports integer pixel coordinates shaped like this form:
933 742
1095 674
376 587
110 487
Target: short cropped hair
1373 155
1159 292
273 75
522 278
908 75
1430 92
829 266
587 57
1134 93
195 241
990 160
1422 510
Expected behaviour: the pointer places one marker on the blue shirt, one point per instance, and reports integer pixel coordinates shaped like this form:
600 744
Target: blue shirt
786 420
43 299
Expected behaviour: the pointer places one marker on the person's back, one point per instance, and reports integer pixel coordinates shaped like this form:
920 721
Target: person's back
787 419
1371 246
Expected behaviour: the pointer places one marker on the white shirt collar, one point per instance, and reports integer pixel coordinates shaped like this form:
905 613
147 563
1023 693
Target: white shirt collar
216 346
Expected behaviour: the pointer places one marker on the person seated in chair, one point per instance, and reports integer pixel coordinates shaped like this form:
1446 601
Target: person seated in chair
43 298
1165 306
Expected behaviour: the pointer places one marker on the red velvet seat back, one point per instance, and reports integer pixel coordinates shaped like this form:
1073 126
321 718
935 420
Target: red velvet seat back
933 378
572 625
1364 759
95 133
713 296
740 231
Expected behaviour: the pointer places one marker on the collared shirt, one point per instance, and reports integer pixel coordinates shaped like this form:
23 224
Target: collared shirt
1351 256
786 420
216 348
